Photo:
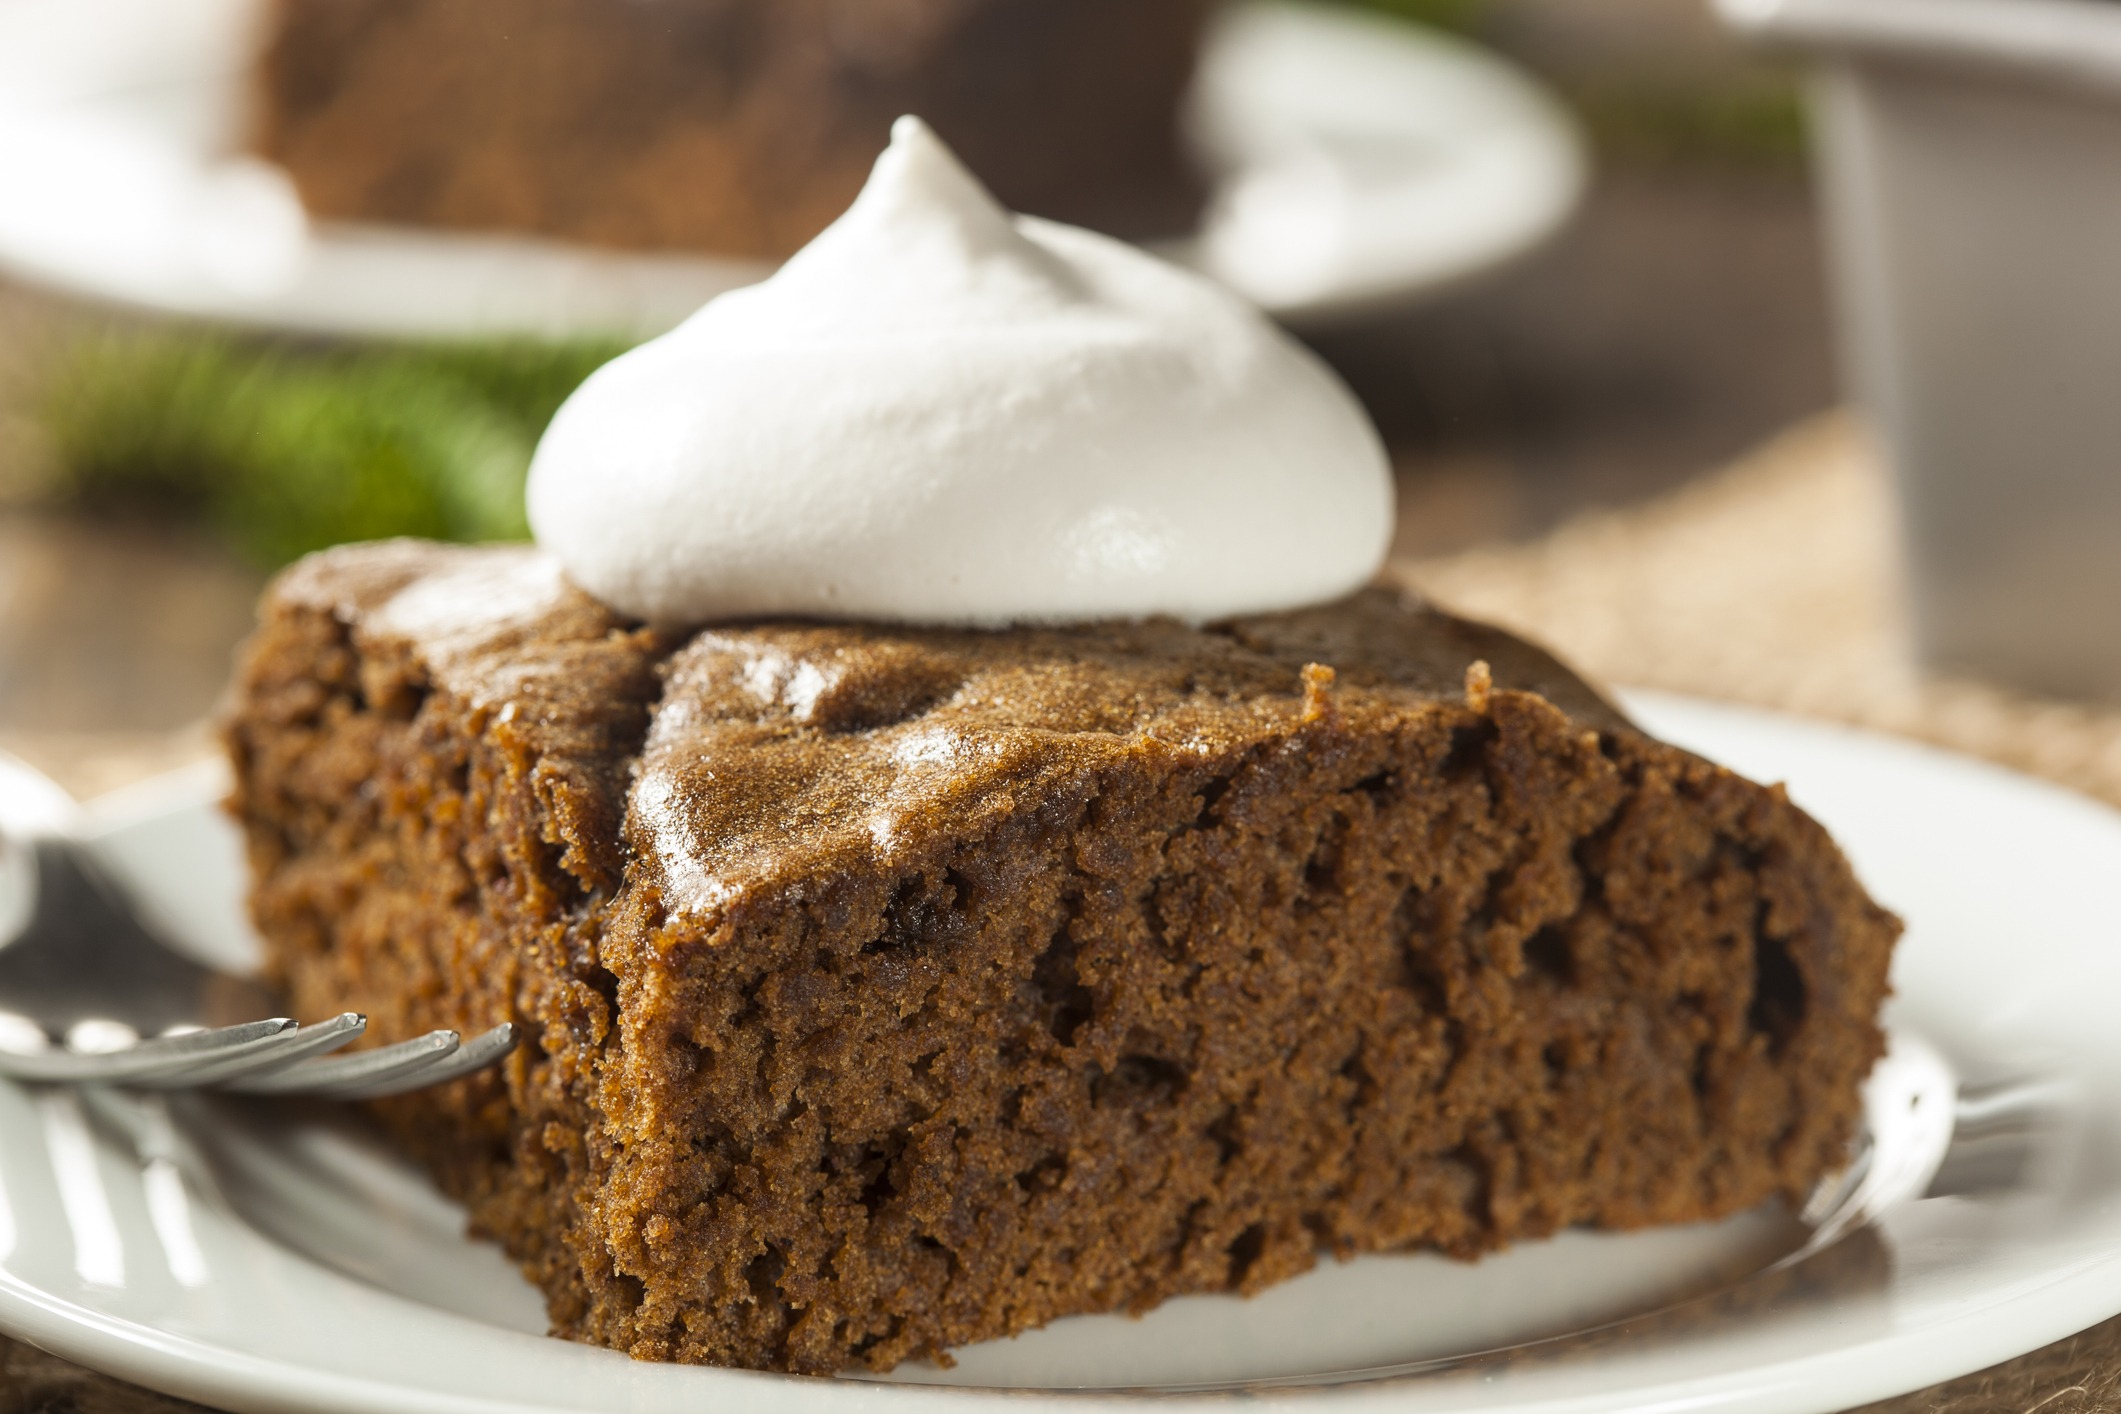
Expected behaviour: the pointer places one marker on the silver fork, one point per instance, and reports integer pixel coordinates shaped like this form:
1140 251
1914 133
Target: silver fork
88 995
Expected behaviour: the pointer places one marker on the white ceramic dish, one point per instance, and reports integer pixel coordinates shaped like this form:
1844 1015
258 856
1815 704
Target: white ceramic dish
295 1265
1360 162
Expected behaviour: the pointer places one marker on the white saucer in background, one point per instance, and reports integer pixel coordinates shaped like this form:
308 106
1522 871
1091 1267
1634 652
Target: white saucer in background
1363 162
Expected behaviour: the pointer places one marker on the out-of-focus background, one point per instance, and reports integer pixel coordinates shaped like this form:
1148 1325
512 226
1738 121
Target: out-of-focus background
1706 346
154 469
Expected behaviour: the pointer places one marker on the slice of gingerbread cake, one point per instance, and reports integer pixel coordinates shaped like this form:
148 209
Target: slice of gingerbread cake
889 989
730 127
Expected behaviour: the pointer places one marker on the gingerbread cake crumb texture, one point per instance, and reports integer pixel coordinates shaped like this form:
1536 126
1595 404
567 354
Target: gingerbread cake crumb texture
890 989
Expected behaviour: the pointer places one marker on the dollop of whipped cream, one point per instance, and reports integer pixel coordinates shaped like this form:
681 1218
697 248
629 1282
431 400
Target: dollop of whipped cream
939 412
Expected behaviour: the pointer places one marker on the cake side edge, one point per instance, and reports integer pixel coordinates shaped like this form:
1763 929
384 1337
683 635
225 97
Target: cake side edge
1545 979
432 839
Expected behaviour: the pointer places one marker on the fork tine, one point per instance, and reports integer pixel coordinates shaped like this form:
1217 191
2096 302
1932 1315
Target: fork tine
163 1054
329 1077
474 1055
282 1050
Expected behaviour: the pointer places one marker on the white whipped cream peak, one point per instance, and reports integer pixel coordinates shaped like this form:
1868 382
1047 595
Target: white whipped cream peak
938 412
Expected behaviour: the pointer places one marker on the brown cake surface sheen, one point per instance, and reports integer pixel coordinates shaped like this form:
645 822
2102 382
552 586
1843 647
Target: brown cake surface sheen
741 127
891 989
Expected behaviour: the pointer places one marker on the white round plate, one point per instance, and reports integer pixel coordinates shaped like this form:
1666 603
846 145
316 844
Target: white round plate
281 1260
1360 162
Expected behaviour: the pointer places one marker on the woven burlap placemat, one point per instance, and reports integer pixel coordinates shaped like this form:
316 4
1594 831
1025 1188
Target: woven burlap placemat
1775 582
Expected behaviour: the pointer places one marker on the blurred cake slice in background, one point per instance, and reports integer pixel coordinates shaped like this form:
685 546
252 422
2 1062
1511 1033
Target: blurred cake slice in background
737 127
